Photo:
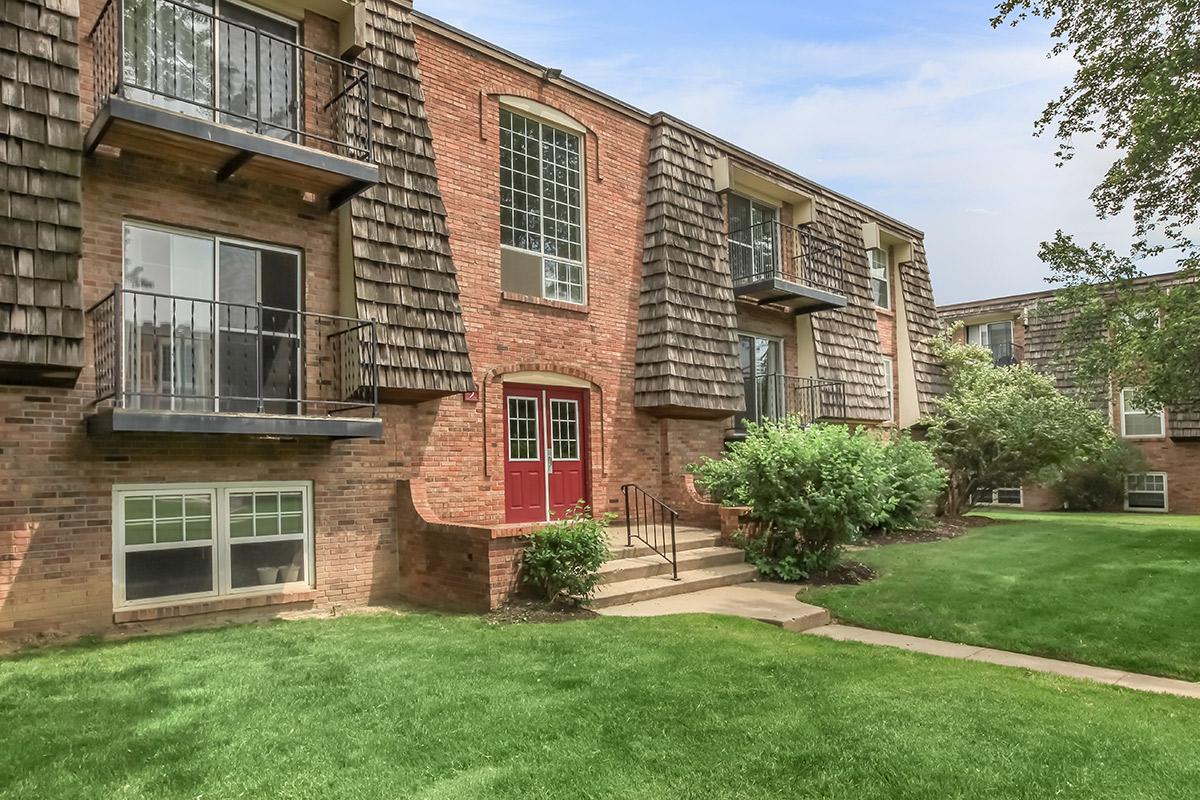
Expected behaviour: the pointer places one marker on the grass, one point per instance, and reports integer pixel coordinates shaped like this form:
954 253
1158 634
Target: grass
451 707
1113 590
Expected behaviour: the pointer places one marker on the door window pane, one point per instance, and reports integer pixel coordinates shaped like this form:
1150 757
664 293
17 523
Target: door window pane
258 72
523 429
168 58
564 430
762 376
753 240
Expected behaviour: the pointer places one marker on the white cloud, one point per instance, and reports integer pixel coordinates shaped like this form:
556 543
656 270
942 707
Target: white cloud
932 130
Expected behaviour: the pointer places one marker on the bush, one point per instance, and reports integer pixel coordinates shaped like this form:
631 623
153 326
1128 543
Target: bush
1098 483
916 482
563 559
813 489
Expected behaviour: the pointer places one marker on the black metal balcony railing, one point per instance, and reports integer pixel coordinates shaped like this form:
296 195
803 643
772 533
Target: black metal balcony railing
182 57
773 251
1005 354
166 353
776 397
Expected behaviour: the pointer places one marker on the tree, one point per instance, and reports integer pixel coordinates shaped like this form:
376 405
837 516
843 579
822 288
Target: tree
1005 426
1137 92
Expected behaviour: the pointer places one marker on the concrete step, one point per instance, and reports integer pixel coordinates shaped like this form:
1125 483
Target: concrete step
685 539
625 569
774 603
693 580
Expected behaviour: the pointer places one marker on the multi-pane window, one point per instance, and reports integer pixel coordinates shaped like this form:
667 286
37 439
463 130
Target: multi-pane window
1013 496
523 429
881 280
1137 422
194 541
753 240
997 337
1146 492
564 430
890 385
541 201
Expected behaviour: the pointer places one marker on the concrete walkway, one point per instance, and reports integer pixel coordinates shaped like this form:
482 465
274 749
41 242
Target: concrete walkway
965 652
774 603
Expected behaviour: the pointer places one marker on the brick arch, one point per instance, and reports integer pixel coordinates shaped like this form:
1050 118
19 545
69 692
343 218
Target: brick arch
493 375
489 94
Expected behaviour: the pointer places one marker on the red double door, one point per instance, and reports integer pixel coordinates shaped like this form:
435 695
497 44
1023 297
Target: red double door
545 451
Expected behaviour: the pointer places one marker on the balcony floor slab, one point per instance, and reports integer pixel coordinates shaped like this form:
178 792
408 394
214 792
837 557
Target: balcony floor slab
122 420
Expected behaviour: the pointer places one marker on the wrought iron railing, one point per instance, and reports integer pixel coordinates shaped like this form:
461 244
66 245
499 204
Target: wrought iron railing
652 522
776 397
1005 354
161 352
180 56
772 250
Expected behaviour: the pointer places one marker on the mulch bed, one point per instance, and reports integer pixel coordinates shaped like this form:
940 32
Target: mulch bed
520 610
945 528
843 573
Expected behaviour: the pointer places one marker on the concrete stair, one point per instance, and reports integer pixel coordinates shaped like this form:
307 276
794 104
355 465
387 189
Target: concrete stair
636 573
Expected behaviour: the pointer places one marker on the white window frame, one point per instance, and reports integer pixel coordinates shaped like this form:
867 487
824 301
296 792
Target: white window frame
887 275
1125 411
1165 493
553 434
995 501
537 427
221 542
890 383
541 119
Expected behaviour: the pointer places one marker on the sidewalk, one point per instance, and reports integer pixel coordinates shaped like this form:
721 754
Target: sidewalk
1070 669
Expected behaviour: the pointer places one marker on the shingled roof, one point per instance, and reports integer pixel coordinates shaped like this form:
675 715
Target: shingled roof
41 315
687 360
404 275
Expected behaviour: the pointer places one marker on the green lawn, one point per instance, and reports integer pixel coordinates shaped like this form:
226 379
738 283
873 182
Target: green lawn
451 707
1115 590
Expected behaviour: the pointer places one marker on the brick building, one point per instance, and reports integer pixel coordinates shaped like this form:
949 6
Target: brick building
317 302
1019 328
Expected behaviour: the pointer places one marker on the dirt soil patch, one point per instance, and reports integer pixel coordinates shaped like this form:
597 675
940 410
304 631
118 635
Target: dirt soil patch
843 573
944 528
521 610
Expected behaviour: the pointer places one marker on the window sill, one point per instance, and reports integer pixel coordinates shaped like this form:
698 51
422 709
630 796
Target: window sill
886 312
529 299
210 605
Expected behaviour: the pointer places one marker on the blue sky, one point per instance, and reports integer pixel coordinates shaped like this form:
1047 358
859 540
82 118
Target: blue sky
919 109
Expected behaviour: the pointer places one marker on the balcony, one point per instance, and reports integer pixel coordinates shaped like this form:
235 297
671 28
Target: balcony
184 365
1005 354
777 264
777 397
231 92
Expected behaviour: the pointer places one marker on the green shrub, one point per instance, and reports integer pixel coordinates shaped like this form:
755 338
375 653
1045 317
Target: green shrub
1098 483
916 481
563 559
813 489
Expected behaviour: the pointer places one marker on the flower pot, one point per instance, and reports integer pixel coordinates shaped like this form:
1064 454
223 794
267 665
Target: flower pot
267 575
289 574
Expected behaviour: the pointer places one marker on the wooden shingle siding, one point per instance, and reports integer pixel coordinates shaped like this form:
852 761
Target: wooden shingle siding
687 361
404 275
923 325
1045 352
41 315
847 339
1183 422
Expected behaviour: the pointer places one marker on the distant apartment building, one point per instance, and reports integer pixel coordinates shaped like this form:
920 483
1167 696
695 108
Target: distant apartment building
317 302
1015 331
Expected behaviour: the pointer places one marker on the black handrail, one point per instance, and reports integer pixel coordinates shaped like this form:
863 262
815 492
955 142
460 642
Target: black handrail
1005 354
162 351
800 255
151 65
646 515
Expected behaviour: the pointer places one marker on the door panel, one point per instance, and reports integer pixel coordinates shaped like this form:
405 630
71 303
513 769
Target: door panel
524 463
546 452
567 481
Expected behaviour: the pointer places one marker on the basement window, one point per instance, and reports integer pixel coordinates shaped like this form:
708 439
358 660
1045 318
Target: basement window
1012 496
541 210
173 543
1146 492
